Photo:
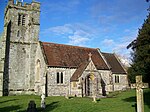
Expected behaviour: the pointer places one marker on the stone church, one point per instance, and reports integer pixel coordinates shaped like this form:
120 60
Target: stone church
29 66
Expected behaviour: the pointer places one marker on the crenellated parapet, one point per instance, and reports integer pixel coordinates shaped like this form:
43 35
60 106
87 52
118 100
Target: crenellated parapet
25 6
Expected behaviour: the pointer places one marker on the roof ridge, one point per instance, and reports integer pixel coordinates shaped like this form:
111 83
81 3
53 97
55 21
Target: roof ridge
69 45
107 53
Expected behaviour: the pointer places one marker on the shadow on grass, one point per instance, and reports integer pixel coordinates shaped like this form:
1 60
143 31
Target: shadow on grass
8 100
50 107
17 108
146 98
10 109
130 99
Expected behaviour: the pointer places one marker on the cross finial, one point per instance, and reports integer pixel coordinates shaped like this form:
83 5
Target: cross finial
90 56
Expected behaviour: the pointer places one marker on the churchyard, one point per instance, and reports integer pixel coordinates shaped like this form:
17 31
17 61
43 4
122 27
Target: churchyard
115 102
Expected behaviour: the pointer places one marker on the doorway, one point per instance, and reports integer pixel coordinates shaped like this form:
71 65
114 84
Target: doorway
88 86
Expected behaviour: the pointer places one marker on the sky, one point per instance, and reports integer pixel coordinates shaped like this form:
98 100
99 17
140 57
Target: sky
109 25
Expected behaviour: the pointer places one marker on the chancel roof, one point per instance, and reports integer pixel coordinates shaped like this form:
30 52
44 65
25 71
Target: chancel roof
60 55
114 63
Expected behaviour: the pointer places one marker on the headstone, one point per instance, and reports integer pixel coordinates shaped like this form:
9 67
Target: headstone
43 105
94 98
139 94
32 107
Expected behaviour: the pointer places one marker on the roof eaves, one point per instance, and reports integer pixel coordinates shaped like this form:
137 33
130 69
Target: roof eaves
53 66
120 63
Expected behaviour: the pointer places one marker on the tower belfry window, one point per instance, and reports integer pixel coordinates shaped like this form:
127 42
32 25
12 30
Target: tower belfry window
21 19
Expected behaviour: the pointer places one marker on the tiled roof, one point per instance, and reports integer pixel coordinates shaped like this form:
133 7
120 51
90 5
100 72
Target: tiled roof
79 71
114 63
60 55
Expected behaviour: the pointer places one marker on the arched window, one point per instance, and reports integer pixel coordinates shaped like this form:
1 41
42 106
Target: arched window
38 70
116 79
59 77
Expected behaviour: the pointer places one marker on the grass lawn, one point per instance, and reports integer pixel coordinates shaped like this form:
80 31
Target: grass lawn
122 102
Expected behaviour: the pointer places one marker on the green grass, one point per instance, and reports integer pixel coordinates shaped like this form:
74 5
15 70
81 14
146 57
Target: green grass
121 102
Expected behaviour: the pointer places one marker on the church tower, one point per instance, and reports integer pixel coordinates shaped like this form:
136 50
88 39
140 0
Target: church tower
18 47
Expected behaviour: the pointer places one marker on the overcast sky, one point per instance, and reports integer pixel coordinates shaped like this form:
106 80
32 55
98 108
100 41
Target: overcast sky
106 24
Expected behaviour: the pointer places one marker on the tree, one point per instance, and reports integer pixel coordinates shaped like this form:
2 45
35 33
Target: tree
147 0
141 53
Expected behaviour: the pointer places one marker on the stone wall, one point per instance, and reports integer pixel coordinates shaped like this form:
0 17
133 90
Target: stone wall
60 89
106 79
1 67
102 78
123 82
23 43
40 80
2 57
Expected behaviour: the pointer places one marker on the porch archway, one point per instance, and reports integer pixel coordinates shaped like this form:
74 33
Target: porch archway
89 84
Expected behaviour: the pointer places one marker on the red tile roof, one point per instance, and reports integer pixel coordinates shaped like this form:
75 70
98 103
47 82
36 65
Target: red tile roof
79 71
60 55
114 63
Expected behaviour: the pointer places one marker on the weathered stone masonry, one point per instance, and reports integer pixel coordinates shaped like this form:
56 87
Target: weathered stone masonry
28 66
19 54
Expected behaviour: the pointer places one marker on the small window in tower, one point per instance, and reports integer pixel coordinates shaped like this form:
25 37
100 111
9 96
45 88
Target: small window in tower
23 20
19 19
18 33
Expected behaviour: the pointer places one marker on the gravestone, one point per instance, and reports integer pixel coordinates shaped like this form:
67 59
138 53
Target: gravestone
32 107
43 105
94 99
139 94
